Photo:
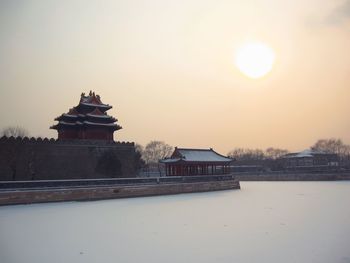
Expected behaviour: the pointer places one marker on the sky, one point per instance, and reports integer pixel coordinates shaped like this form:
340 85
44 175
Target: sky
167 67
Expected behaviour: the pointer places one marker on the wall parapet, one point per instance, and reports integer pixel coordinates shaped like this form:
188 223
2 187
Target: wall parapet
45 140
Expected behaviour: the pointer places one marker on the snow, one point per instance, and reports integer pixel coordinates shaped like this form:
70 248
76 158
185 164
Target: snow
305 153
264 222
73 116
70 115
100 124
88 122
96 105
202 156
98 116
67 123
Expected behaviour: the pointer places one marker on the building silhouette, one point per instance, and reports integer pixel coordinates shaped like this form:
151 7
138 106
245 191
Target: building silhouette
88 121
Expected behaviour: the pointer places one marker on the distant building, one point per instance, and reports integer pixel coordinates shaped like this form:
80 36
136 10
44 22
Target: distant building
309 160
88 120
184 162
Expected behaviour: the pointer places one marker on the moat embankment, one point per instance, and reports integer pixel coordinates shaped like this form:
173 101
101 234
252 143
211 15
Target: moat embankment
293 176
27 192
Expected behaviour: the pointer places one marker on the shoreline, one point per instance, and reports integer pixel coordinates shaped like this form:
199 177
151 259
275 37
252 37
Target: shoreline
292 176
28 192
161 186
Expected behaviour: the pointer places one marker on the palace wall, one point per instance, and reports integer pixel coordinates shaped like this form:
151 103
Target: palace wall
136 187
44 159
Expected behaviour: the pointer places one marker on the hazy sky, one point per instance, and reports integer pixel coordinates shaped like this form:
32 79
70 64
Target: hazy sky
167 68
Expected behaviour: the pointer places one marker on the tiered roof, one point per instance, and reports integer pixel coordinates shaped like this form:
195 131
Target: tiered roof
96 113
89 112
93 100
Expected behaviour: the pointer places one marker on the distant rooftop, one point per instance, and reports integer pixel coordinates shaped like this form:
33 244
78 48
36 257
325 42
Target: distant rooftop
303 154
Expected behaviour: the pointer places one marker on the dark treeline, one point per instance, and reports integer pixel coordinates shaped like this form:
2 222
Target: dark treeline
271 157
335 146
267 159
247 156
14 131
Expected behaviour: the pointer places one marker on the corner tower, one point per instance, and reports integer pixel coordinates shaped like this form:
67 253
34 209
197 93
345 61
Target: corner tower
87 121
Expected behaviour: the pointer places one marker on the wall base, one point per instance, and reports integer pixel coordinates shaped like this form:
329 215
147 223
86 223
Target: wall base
11 197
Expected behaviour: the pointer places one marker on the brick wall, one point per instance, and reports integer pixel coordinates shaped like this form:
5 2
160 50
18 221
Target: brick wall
44 159
110 192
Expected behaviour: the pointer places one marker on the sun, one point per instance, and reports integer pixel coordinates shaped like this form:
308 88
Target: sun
254 59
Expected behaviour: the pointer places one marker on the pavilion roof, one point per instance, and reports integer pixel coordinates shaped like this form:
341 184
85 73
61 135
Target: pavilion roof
196 155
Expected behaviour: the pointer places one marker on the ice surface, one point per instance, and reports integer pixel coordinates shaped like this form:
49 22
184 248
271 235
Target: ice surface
264 222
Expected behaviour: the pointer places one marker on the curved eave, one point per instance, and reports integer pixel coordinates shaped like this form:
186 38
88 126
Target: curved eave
183 161
63 124
66 116
107 125
106 117
112 126
102 106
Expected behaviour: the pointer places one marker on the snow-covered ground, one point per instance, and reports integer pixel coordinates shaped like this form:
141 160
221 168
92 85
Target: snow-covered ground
263 222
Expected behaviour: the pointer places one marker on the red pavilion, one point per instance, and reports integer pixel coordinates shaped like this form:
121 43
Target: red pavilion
88 120
185 162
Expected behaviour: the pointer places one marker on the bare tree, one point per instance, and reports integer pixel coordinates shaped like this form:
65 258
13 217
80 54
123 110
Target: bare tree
14 131
155 151
335 146
275 153
268 159
139 161
329 146
247 155
139 148
13 149
237 154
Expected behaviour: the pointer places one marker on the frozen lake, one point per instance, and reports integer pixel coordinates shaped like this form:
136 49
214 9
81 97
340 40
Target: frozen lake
263 222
